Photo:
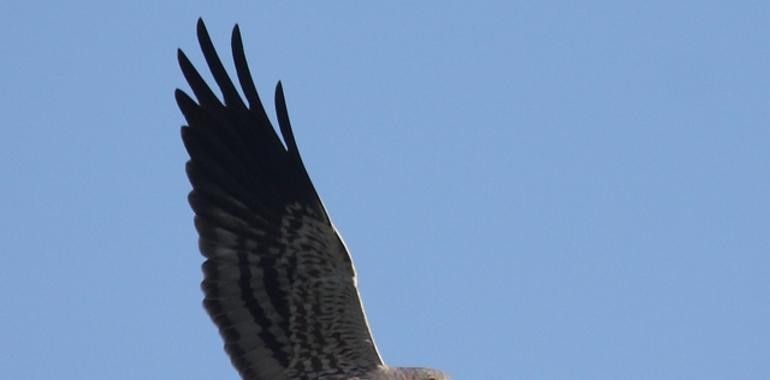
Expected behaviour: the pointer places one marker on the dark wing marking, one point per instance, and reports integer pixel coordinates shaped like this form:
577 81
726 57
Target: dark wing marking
278 280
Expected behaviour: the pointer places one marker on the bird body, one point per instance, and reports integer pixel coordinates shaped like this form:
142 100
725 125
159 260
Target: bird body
278 280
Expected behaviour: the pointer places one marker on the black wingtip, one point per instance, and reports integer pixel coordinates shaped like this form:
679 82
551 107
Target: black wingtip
182 99
236 36
283 120
202 32
185 64
244 76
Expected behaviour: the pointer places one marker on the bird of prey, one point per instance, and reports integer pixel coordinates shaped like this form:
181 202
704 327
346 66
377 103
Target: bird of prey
278 280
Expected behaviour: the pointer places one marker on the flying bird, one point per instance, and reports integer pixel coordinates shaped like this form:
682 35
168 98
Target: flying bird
278 280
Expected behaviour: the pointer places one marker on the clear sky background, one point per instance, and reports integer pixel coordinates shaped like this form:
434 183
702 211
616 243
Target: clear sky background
530 189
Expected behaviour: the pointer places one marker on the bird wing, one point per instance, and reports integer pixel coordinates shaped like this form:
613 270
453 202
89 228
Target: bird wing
278 280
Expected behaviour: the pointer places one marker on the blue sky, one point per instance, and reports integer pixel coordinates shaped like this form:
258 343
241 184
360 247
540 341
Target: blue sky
530 189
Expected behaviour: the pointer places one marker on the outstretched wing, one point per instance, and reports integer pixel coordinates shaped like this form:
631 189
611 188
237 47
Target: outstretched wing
278 280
